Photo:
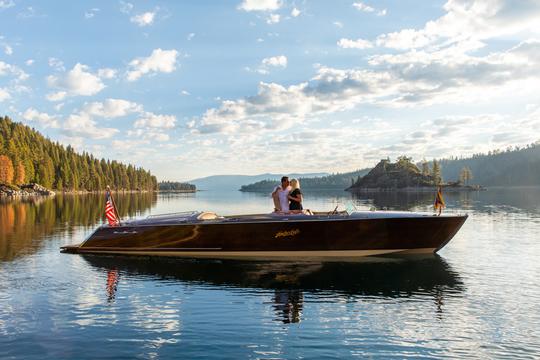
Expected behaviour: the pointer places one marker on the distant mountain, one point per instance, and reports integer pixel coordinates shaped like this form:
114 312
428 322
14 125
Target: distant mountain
338 181
234 182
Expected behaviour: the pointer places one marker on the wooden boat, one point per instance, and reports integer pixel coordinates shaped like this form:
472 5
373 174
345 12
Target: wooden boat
335 235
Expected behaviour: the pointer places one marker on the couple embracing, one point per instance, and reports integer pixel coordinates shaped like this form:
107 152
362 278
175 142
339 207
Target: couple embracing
288 196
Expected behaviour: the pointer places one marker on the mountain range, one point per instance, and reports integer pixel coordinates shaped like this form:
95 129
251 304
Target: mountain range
234 182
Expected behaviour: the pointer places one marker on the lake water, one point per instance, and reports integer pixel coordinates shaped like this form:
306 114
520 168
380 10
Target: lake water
479 298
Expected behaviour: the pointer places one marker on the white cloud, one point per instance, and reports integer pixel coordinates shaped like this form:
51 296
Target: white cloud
338 24
260 5
363 7
273 19
354 44
106 73
147 134
466 20
125 7
184 92
295 12
415 78
267 63
159 61
56 64
112 108
190 36
4 95
43 119
150 120
8 50
56 96
91 13
5 4
144 19
13 70
280 60
77 82
29 62
82 124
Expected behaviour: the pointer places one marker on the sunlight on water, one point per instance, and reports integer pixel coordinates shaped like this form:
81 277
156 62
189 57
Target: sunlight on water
479 299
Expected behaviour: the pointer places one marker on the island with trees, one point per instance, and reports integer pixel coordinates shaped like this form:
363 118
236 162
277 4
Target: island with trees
174 186
27 158
404 175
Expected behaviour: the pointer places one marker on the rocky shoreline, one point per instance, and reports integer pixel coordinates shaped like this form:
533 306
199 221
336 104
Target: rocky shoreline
34 190
25 190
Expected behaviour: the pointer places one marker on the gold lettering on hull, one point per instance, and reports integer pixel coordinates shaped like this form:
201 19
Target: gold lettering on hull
287 233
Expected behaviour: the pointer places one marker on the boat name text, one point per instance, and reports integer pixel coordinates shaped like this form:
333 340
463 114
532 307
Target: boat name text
287 233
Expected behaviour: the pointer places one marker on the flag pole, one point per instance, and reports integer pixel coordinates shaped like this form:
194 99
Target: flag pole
114 205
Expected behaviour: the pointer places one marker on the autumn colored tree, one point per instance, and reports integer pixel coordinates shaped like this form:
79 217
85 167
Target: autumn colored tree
465 175
20 174
6 170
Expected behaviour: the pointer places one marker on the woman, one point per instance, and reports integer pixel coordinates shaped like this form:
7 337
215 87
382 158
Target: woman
295 197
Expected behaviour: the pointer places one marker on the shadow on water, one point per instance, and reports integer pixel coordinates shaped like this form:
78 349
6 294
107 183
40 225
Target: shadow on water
373 277
25 222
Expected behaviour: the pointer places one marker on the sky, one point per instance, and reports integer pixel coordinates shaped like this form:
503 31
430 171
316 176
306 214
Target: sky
196 88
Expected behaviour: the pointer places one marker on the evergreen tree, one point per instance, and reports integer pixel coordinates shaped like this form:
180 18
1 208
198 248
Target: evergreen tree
34 158
436 172
425 167
19 174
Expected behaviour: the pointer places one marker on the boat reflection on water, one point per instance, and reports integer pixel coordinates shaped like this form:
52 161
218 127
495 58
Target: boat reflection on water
367 279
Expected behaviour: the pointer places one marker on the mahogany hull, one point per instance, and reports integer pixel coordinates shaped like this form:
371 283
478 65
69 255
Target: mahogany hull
331 238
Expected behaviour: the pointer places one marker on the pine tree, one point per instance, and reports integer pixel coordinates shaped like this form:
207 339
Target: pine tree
425 167
34 158
436 172
19 174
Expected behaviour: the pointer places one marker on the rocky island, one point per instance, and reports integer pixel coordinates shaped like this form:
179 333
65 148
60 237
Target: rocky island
404 175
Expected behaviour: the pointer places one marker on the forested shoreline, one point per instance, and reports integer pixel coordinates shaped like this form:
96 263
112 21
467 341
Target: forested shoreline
176 186
338 181
517 166
26 156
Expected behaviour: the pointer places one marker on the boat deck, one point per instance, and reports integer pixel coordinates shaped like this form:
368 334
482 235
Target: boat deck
213 218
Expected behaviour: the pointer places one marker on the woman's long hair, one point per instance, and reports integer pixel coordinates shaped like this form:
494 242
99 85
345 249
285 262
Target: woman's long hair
295 184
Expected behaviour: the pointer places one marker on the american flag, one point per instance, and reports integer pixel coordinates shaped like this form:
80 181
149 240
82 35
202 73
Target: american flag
110 214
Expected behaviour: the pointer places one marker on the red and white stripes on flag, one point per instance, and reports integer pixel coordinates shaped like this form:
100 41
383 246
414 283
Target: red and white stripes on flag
110 212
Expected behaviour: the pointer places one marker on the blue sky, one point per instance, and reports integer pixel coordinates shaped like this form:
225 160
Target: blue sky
189 89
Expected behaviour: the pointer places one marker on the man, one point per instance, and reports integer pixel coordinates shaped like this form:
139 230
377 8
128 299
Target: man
280 195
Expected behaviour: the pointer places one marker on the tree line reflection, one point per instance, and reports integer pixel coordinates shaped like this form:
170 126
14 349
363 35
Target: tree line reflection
23 221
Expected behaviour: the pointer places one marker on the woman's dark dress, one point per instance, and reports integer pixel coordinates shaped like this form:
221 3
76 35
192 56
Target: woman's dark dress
295 205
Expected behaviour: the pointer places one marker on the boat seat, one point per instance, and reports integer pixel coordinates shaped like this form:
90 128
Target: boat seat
207 216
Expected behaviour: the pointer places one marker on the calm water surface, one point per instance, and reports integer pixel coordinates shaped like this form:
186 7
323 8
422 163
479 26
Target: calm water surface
480 298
